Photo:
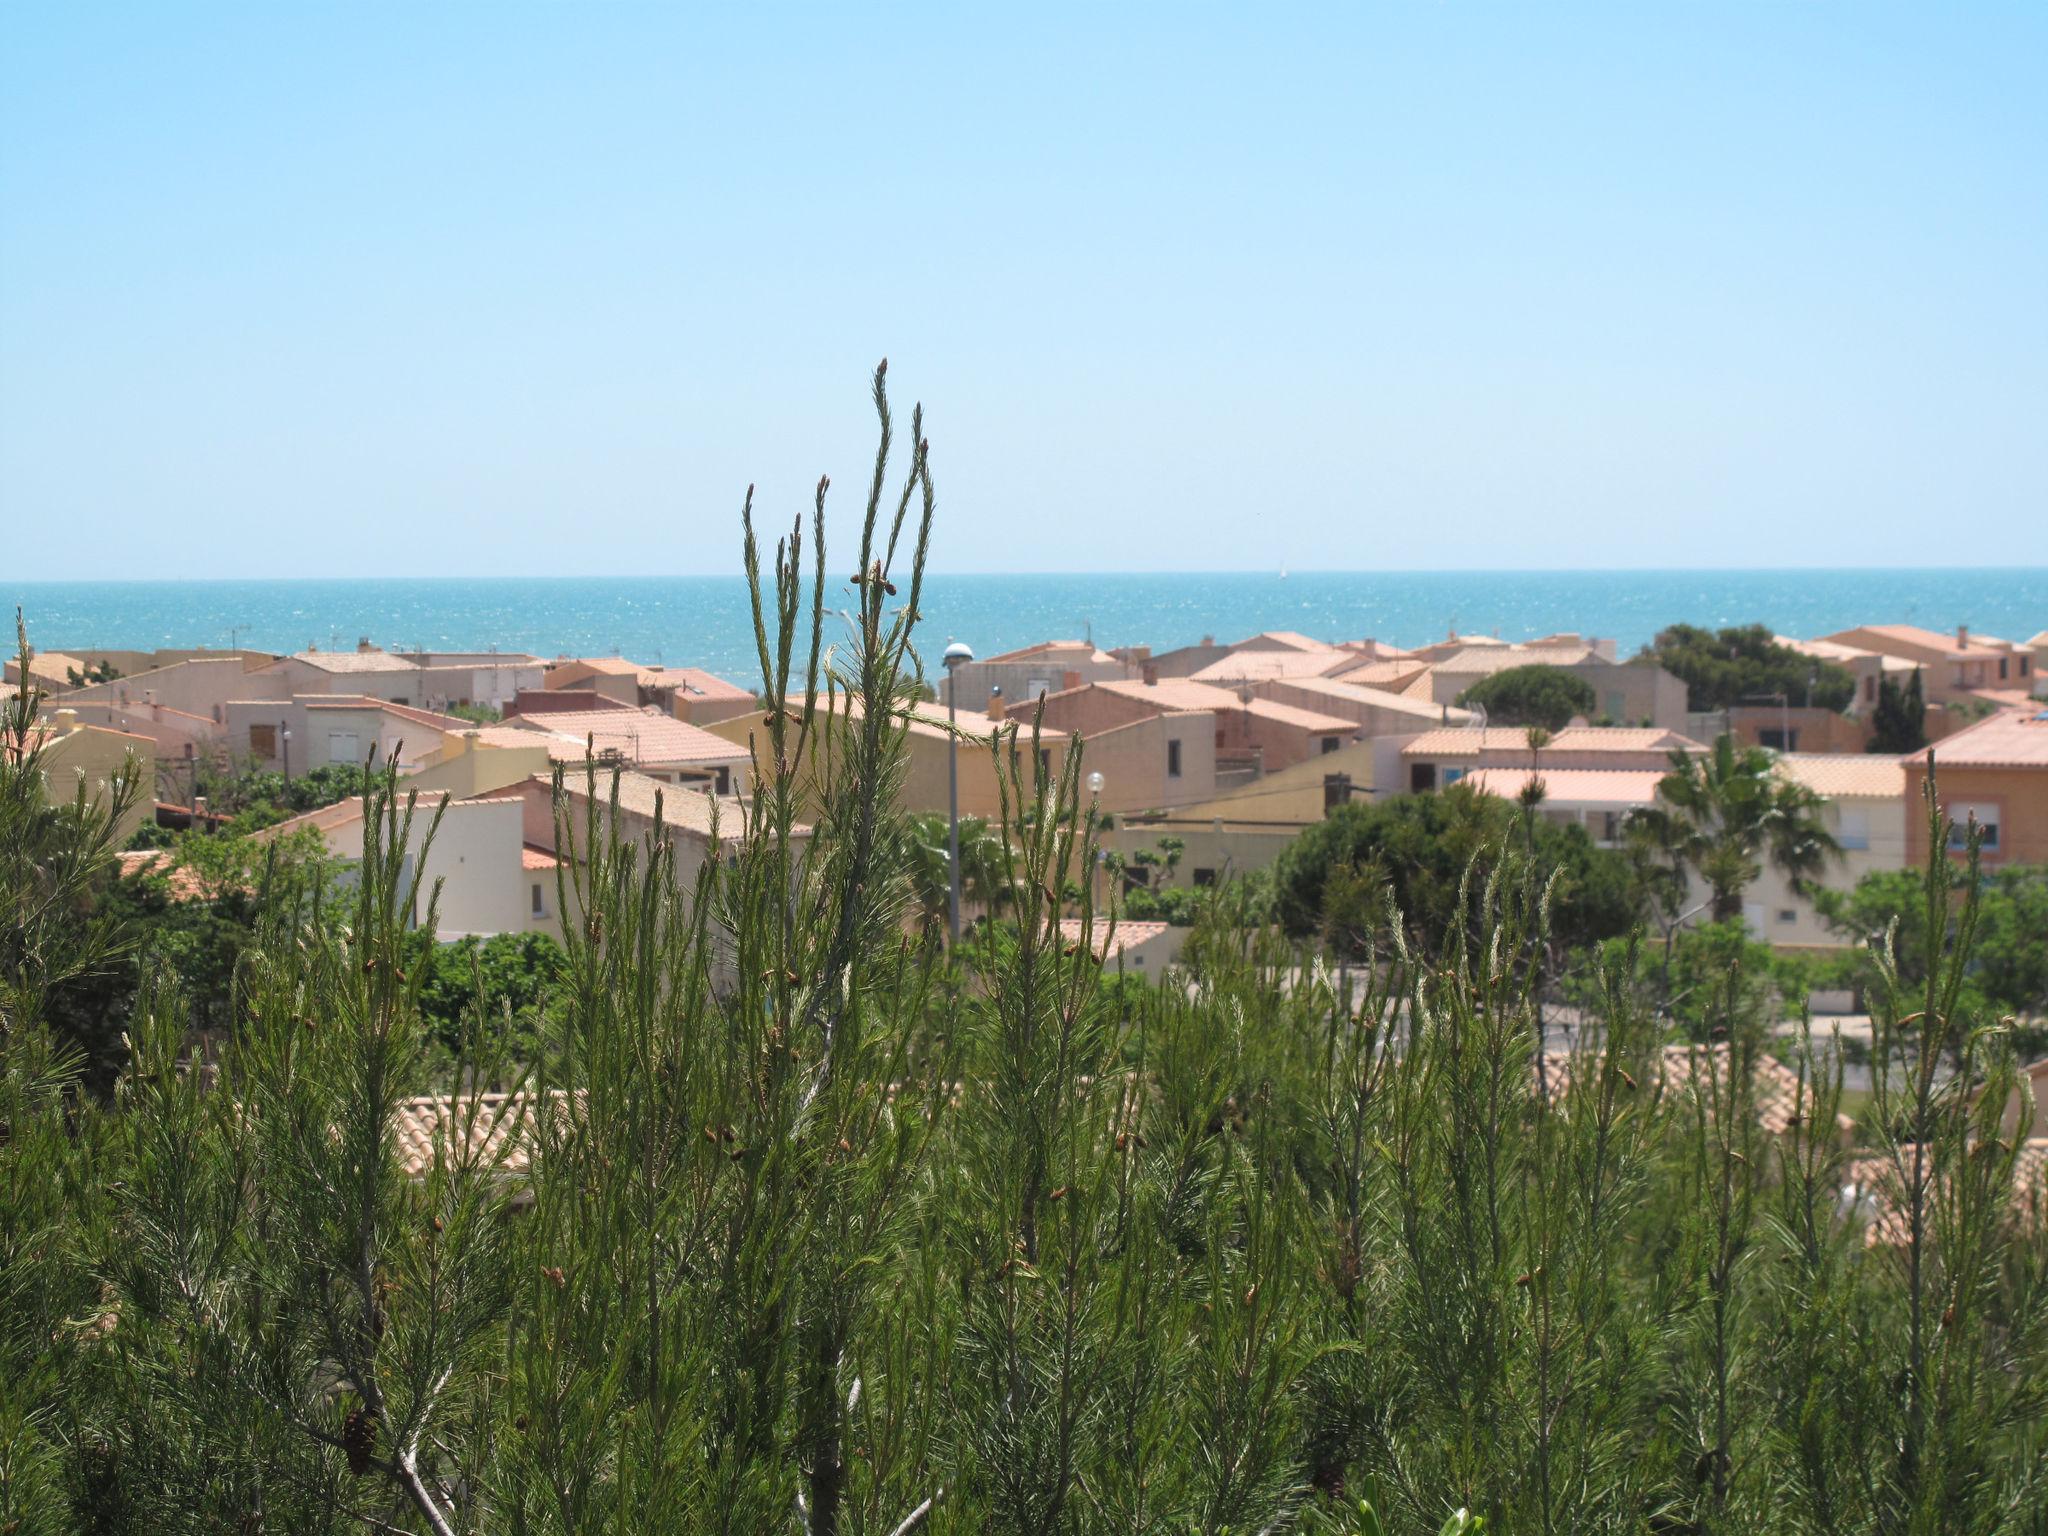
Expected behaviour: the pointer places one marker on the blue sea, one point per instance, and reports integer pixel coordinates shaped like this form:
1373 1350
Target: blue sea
705 620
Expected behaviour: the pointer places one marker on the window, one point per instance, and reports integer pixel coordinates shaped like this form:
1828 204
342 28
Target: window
1617 705
1855 829
1038 687
1045 762
1778 740
2001 668
1869 689
1787 915
343 747
1959 834
1173 759
540 904
1610 826
1421 777
1329 743
263 741
1205 877
723 783
1452 775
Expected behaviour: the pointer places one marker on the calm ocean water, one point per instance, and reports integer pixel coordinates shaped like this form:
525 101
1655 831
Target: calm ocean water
704 620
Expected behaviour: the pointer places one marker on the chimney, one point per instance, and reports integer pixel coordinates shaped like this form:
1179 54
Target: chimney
1151 675
996 707
1962 637
1070 679
363 646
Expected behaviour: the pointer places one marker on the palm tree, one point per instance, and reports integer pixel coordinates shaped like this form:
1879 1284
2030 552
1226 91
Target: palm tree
1725 814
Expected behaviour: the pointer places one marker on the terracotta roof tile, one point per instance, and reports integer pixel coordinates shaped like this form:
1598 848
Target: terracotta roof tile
2015 739
1846 775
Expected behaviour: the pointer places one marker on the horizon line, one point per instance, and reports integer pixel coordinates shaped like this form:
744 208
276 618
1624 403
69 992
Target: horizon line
1267 574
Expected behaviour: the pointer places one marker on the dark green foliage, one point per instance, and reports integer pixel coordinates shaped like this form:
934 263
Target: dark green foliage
1724 815
506 980
2008 965
1899 722
262 799
1743 664
1533 695
1418 846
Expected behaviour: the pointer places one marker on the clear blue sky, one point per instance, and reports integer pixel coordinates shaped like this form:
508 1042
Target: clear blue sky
519 289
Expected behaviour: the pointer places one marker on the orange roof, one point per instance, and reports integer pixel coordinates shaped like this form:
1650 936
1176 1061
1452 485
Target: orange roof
533 856
1922 639
682 807
640 738
1254 666
1774 1087
1285 639
185 884
352 661
1877 1188
1846 775
1349 692
1572 786
2016 739
1182 695
492 1126
1467 741
1051 648
1128 935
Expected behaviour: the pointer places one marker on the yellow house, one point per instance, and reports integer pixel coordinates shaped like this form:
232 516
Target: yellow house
930 746
98 757
478 762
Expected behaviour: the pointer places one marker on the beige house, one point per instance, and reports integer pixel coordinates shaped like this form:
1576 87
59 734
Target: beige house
198 686
364 672
685 693
95 759
1865 809
1372 711
311 731
483 759
930 746
1253 735
1950 665
1127 947
1021 676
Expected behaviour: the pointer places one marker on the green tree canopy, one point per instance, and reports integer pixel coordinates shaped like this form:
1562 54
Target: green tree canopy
1899 723
1421 844
1722 668
1532 695
1724 814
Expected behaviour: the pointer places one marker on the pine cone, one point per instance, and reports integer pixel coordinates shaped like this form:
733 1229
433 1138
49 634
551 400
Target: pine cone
359 1440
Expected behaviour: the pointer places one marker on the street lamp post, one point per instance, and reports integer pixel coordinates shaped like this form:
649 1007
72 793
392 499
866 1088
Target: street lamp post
284 739
956 653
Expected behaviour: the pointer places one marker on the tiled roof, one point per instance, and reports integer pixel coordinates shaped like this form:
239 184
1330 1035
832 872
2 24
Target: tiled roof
1254 666
1398 672
699 684
1467 741
1049 648
640 738
353 661
446 724
484 1127
1485 662
1927 639
2015 739
1293 715
1376 698
1774 1087
1286 639
1836 651
533 856
1573 786
1876 1189
185 884
1846 775
1128 935
689 810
